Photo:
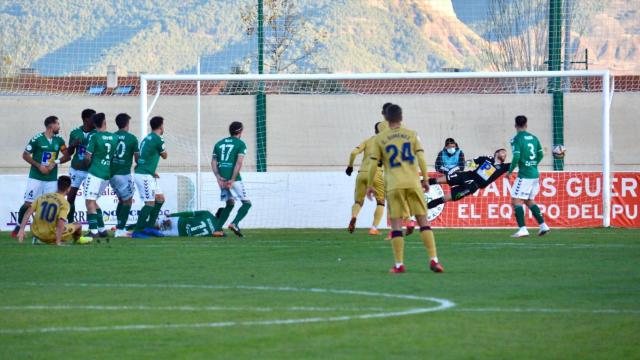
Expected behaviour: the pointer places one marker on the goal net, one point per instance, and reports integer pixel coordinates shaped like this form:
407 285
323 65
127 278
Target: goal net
301 129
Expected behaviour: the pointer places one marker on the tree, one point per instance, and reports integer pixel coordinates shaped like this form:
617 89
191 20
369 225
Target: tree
289 39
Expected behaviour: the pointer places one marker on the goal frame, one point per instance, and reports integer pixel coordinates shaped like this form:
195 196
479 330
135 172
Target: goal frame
605 75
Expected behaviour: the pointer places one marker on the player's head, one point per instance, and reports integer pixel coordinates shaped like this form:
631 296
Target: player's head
52 124
64 184
157 124
393 114
86 117
122 120
385 107
521 122
500 155
451 145
376 127
99 121
236 128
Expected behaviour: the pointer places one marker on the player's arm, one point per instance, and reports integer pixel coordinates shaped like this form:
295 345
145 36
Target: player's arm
422 163
515 147
88 152
539 153
214 167
182 214
60 230
23 225
461 160
162 150
26 156
136 150
236 169
66 155
352 157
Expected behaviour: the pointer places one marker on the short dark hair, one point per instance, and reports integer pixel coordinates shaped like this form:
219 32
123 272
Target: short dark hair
376 127
64 182
50 120
450 141
98 119
156 122
394 113
521 121
385 107
122 120
235 128
87 113
497 151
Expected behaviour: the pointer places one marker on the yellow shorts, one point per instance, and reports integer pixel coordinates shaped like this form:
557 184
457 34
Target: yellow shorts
361 186
50 238
406 202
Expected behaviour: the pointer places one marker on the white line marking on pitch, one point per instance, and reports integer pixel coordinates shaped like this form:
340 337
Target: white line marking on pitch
184 308
441 304
547 310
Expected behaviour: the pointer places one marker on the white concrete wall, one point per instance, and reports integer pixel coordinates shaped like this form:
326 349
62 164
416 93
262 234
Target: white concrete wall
306 132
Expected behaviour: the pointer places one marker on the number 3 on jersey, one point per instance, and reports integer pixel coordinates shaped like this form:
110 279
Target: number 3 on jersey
406 154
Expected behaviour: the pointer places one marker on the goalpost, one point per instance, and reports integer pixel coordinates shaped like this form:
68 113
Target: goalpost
458 91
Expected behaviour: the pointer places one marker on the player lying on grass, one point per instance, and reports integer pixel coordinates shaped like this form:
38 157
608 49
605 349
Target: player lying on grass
400 149
464 183
50 220
189 223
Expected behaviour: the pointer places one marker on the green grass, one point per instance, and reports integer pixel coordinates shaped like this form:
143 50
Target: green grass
571 294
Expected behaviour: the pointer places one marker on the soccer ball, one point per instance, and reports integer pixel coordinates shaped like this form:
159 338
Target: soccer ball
559 151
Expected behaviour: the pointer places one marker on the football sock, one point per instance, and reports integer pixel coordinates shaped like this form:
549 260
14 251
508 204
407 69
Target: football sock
397 244
377 215
435 202
355 210
72 212
535 210
519 211
123 216
100 219
143 215
155 212
242 212
224 215
21 212
93 222
429 241
118 210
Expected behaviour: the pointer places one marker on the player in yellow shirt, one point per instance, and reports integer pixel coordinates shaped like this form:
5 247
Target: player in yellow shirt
50 218
361 184
399 148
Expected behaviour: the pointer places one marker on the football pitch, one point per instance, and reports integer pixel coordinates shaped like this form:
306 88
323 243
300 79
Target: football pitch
324 294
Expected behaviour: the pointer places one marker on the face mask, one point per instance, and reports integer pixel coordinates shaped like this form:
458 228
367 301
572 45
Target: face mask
451 151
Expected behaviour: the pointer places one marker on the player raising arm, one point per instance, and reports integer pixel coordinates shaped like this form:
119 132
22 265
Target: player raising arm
226 163
151 150
398 148
42 153
464 183
50 223
361 184
527 154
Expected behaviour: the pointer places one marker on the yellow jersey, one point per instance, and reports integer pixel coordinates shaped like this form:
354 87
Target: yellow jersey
384 126
47 210
366 146
399 149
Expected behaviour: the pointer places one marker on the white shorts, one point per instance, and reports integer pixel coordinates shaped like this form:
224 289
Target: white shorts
77 177
172 229
148 187
36 188
236 192
94 187
122 185
525 189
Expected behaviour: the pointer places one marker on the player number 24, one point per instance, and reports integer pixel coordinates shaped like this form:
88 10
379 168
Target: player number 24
405 155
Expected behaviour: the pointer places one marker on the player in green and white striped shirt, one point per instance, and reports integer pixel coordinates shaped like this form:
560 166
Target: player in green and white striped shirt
527 154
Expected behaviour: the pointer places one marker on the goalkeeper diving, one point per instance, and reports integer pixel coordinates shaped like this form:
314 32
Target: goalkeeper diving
487 169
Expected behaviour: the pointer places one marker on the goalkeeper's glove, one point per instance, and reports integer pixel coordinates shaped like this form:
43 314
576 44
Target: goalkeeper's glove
349 170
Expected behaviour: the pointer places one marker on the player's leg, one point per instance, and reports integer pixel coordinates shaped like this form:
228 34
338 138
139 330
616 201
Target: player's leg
417 207
519 193
30 195
358 199
92 186
240 193
148 196
77 179
159 199
535 210
378 185
458 192
102 231
396 202
440 180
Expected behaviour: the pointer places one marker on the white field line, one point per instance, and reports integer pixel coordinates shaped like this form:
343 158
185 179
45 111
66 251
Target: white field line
185 308
547 310
441 304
